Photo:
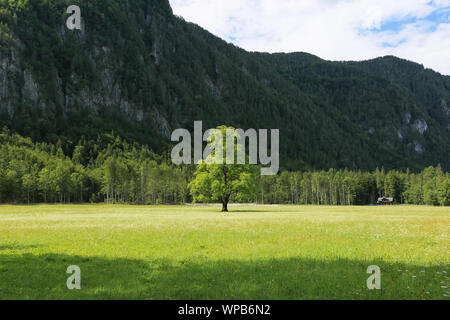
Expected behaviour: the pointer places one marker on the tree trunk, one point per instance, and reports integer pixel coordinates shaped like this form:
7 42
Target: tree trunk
224 206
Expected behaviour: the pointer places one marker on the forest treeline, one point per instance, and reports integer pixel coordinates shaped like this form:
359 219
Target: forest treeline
113 171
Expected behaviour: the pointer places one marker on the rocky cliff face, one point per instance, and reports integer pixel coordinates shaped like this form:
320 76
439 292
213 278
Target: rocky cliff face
97 89
5 99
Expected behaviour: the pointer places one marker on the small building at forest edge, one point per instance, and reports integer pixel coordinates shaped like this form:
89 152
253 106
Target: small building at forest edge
385 201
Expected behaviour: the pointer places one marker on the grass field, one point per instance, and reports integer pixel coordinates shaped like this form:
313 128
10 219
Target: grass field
254 252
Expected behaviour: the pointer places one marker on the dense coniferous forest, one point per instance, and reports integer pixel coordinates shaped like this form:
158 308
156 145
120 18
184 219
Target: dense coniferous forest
113 171
88 114
138 70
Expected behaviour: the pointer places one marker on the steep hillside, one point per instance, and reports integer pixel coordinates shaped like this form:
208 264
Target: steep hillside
141 72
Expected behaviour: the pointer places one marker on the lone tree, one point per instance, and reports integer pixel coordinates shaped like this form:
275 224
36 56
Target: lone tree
216 179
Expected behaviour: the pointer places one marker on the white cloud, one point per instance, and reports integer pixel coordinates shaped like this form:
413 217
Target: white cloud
331 29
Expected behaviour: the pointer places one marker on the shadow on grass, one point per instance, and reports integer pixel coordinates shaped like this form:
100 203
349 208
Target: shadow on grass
247 210
44 276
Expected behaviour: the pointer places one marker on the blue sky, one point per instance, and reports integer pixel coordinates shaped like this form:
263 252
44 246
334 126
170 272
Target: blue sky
436 17
418 30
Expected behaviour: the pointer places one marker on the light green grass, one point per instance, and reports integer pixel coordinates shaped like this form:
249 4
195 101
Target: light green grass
254 252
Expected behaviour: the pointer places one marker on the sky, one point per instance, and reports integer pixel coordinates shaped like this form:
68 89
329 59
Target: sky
417 30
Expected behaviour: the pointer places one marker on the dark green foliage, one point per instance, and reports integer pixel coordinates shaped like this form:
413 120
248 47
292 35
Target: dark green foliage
107 169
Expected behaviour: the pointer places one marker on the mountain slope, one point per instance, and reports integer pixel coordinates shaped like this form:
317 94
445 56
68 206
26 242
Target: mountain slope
141 72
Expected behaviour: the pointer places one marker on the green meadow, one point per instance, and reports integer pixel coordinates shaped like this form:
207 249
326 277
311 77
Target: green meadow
196 252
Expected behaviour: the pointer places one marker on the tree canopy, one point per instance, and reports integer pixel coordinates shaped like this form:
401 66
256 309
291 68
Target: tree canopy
217 180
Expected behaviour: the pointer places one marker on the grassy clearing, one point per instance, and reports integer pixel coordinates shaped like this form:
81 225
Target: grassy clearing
255 252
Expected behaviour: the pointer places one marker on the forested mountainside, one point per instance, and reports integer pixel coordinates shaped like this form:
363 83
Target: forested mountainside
140 72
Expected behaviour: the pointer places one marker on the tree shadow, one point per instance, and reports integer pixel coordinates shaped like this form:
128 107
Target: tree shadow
44 276
246 210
